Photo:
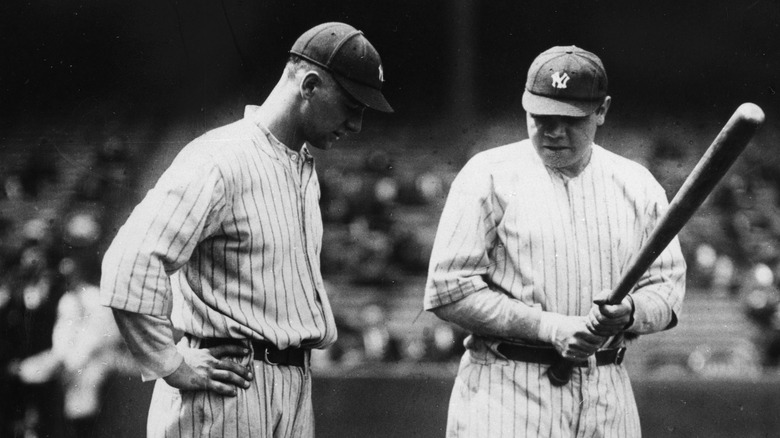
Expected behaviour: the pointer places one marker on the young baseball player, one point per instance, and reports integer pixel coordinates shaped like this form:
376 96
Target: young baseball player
226 248
533 232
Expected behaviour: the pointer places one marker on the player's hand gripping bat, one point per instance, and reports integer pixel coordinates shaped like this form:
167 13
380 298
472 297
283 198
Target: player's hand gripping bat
717 160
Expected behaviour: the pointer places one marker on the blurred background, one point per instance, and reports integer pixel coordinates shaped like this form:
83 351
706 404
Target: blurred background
97 97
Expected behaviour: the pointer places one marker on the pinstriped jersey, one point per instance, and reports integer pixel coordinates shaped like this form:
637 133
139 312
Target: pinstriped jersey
228 243
516 226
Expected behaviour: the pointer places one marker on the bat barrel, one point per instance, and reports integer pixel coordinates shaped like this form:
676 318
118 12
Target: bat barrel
717 160
751 112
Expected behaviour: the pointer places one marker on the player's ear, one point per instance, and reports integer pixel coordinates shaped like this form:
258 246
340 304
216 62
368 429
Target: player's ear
601 111
310 83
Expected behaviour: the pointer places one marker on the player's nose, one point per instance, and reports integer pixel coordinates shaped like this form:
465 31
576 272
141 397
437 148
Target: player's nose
554 127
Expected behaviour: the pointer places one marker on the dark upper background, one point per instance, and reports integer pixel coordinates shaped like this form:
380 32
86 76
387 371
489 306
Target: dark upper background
206 59
159 72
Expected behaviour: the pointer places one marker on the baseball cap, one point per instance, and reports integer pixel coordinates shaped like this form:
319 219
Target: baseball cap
346 53
565 81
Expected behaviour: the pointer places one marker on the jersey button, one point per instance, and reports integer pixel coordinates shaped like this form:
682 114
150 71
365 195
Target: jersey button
294 157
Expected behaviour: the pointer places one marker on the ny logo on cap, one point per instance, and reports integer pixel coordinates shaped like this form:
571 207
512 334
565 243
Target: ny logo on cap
381 74
559 80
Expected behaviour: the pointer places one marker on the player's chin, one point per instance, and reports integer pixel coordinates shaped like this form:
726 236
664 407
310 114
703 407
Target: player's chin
556 161
557 153
323 144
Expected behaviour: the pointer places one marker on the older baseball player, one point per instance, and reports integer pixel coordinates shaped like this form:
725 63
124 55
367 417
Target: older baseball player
226 248
531 234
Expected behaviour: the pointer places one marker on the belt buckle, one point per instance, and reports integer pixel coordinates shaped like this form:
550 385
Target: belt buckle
266 359
621 353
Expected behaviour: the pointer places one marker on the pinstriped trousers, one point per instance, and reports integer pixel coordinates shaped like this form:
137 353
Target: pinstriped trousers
494 397
277 404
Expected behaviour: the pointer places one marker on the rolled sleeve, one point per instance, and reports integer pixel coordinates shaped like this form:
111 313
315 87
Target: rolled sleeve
150 339
494 314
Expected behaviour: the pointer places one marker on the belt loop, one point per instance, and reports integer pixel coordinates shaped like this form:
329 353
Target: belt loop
252 353
192 341
621 353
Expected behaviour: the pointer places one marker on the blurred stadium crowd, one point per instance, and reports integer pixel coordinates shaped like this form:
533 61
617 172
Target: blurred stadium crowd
380 208
57 344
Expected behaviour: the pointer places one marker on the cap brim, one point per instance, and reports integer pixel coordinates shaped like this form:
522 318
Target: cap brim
368 96
546 106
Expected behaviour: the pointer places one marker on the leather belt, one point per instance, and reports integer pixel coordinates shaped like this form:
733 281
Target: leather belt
548 355
264 351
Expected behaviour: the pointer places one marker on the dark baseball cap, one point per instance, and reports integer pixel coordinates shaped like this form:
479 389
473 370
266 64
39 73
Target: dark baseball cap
565 81
355 64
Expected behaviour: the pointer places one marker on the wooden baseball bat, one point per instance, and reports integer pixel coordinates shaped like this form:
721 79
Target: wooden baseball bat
715 162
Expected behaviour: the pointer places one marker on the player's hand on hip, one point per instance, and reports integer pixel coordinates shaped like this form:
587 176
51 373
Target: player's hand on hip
212 369
573 340
610 319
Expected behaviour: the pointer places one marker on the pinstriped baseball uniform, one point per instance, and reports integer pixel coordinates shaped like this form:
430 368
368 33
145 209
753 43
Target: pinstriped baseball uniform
228 244
517 227
277 404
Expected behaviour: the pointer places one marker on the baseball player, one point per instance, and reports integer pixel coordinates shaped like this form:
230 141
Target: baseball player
533 232
225 249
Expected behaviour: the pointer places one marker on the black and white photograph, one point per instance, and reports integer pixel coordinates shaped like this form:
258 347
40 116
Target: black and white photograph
359 218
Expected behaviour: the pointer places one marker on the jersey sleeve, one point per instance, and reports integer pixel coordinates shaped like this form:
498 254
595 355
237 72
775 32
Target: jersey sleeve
150 339
659 293
160 235
460 254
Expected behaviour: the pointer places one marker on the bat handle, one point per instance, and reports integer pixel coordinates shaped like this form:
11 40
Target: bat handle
560 372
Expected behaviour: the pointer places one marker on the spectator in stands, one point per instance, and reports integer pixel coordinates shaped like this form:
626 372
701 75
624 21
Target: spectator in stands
378 343
7 243
39 170
442 343
107 180
29 291
370 253
664 164
346 352
86 350
761 299
711 271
